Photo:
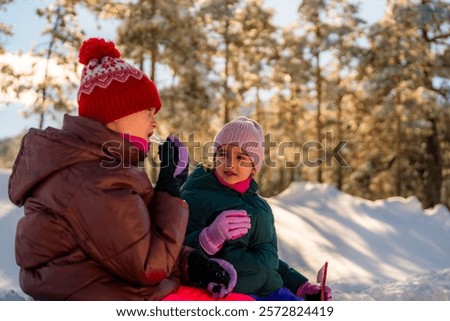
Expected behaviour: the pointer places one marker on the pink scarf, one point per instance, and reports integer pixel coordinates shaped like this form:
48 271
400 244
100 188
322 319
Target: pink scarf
240 187
139 142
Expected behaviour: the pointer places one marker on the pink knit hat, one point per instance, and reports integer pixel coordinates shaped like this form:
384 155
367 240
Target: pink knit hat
245 133
111 88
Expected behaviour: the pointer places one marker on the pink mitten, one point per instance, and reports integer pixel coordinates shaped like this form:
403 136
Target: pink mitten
219 291
311 292
228 225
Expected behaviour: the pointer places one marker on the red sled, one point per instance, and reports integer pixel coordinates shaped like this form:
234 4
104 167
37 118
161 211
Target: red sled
322 280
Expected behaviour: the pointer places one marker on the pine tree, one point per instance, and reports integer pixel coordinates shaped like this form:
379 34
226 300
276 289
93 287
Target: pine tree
345 49
330 28
291 125
402 65
225 37
52 78
256 54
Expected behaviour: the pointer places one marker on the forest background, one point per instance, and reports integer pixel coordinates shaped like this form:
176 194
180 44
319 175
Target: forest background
361 106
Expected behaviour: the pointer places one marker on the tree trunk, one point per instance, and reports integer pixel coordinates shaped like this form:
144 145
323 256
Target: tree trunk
226 115
398 169
339 180
433 181
154 47
318 117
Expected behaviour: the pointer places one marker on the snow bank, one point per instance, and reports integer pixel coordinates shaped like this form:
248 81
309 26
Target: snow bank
384 250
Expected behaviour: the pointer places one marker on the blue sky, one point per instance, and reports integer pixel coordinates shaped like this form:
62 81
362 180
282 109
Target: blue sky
27 28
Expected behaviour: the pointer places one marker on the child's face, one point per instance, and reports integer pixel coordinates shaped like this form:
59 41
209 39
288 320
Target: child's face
140 124
232 164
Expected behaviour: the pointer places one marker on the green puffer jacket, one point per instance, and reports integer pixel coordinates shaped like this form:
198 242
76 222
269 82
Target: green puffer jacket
255 255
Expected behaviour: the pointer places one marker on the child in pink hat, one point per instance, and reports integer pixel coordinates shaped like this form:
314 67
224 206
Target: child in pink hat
229 220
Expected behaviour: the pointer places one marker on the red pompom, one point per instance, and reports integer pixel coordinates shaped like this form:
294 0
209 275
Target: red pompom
97 48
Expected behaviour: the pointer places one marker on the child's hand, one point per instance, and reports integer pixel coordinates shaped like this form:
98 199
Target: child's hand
311 292
217 276
228 225
219 291
174 166
181 171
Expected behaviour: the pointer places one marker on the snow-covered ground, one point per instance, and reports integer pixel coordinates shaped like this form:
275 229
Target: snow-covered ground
384 250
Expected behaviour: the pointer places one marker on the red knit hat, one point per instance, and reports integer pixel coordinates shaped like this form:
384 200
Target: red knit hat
111 88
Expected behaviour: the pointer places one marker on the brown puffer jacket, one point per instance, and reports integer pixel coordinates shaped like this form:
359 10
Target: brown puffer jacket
93 229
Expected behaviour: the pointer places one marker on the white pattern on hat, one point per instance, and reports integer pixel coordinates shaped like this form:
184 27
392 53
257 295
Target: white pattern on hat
103 73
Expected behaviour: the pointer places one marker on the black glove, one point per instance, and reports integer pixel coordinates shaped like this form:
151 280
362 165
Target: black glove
174 169
203 271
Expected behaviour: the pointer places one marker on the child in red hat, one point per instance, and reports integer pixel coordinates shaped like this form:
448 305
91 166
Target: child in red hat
94 227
